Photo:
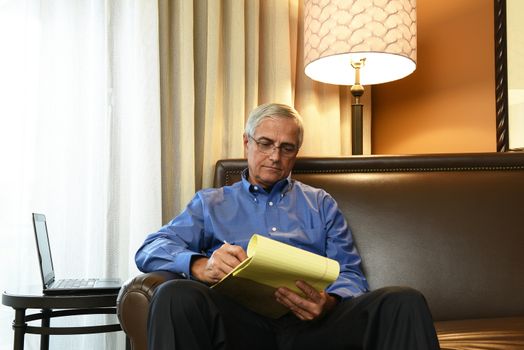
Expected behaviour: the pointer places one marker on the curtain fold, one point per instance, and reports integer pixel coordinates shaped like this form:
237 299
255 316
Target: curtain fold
177 76
134 155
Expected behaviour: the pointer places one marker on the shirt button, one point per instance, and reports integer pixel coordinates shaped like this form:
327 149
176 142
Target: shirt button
273 229
255 188
270 204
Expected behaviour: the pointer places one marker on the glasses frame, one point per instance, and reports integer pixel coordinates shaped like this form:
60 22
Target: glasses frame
261 147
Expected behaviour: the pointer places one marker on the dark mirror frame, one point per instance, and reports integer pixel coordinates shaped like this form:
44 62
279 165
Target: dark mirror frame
501 76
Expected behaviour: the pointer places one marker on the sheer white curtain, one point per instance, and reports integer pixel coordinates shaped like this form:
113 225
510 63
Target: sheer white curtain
79 141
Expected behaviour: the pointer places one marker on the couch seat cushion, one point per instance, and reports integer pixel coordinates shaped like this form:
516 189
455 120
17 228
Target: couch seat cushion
480 334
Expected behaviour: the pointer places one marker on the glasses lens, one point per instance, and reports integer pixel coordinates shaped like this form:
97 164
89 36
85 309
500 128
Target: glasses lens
288 150
267 147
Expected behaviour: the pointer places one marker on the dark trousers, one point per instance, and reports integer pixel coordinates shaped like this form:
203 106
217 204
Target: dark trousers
187 315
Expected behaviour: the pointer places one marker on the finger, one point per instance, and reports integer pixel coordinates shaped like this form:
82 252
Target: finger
216 267
289 295
303 314
225 259
235 250
310 292
298 305
213 271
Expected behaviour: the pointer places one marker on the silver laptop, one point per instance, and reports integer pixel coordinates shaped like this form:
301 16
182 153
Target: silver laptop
51 286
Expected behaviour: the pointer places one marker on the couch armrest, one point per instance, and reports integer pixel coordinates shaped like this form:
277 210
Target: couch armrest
132 305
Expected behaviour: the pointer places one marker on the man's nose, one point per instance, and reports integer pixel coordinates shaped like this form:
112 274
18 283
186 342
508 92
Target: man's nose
274 155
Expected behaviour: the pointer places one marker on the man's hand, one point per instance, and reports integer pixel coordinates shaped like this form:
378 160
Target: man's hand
308 308
222 261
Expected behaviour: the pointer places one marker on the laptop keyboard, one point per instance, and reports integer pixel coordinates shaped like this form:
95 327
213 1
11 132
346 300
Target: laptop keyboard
75 283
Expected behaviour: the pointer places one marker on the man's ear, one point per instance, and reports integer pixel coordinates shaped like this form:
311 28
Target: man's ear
245 140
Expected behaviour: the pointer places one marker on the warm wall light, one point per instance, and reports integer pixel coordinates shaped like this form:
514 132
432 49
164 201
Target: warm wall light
353 42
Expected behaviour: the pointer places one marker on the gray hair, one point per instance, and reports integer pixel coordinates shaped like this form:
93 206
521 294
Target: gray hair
274 110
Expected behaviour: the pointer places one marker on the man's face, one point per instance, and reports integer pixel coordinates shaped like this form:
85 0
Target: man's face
268 167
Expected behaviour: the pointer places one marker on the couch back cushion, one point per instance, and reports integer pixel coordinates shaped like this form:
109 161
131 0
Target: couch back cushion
451 226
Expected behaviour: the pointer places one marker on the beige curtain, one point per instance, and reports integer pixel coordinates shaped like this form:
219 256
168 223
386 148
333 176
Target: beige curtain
219 60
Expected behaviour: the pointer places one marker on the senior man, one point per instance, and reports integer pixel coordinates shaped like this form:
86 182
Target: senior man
187 314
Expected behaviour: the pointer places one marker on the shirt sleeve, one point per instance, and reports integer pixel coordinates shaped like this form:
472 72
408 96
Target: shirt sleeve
340 246
173 246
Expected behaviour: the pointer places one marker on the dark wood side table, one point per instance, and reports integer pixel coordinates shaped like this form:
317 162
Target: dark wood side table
56 306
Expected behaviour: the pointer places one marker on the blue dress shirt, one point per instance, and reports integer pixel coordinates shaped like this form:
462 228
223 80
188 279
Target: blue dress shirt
292 213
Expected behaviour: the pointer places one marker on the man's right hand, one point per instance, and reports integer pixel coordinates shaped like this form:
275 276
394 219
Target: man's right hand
222 261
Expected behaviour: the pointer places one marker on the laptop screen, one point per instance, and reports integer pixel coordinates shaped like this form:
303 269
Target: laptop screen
44 250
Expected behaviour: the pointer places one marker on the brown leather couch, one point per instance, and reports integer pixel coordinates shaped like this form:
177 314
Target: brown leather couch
451 226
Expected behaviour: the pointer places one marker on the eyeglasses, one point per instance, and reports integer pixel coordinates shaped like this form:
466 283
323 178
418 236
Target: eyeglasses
267 146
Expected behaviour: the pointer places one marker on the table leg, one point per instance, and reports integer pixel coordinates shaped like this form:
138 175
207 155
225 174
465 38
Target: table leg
46 322
19 327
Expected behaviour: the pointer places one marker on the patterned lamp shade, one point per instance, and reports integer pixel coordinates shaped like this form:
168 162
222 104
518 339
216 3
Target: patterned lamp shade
338 32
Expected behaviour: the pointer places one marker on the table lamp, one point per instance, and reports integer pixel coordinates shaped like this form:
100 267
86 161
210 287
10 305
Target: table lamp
359 42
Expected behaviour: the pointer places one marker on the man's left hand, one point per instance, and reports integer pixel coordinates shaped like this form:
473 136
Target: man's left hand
313 306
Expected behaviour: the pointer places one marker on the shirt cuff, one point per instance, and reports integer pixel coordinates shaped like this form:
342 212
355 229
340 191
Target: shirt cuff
183 263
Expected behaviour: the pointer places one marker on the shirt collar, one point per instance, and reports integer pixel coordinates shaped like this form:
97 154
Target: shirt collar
282 186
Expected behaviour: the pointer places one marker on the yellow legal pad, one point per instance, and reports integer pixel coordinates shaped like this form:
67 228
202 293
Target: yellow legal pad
272 264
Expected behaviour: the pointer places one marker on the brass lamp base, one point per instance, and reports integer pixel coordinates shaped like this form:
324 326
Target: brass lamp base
357 91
